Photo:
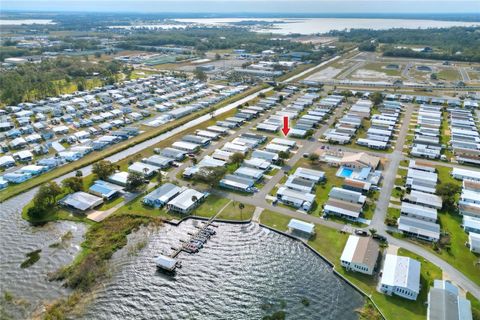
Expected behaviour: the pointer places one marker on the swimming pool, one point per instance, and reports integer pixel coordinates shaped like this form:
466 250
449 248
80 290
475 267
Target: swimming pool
345 172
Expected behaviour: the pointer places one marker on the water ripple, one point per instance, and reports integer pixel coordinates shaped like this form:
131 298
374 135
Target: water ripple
239 270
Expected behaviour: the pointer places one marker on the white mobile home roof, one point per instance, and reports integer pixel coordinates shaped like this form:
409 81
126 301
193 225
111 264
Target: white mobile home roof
187 146
284 142
285 192
272 147
184 200
257 163
235 148
222 155
401 272
301 226
237 182
268 127
82 200
420 227
461 174
269 156
207 134
418 210
424 198
249 173
309 174
422 175
141 168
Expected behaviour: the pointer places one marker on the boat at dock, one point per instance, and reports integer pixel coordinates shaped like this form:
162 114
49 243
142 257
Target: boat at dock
166 263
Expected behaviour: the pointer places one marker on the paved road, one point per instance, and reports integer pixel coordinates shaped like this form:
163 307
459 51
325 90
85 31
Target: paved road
390 173
319 66
464 74
350 70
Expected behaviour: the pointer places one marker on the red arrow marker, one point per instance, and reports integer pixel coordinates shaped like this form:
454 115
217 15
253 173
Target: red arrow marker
285 128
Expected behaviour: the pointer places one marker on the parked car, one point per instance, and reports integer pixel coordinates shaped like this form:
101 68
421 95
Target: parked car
379 237
360 232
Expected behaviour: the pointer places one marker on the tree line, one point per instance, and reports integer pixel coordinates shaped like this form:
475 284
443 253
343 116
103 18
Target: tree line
32 81
456 43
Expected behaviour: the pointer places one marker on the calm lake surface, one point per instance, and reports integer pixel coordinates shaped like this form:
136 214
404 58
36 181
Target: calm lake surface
12 22
243 272
322 25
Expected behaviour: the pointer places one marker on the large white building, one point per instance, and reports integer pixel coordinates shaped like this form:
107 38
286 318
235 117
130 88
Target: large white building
360 254
401 276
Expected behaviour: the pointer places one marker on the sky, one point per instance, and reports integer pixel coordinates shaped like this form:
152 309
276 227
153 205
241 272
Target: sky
247 6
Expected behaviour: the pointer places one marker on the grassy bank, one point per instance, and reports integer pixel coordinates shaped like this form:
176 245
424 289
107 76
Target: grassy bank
56 213
96 156
208 209
102 240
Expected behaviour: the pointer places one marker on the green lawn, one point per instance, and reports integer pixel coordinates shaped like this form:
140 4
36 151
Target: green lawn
397 193
402 173
380 67
233 212
444 175
449 75
207 209
459 255
393 212
274 220
211 206
110 204
56 213
138 208
475 306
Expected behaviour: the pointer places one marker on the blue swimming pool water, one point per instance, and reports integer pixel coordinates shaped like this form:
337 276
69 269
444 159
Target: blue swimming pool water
346 173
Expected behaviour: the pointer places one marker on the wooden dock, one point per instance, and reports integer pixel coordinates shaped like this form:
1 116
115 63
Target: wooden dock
194 235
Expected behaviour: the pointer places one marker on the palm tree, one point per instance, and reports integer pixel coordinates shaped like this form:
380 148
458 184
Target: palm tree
373 231
241 206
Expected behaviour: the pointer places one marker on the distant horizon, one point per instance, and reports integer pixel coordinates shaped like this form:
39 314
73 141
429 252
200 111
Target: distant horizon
248 7
40 14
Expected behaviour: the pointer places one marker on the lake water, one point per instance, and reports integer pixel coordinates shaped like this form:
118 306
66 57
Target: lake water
12 22
323 25
243 272
30 287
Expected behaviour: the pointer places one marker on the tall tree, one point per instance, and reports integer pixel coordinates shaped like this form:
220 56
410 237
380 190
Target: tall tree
73 184
103 169
135 181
